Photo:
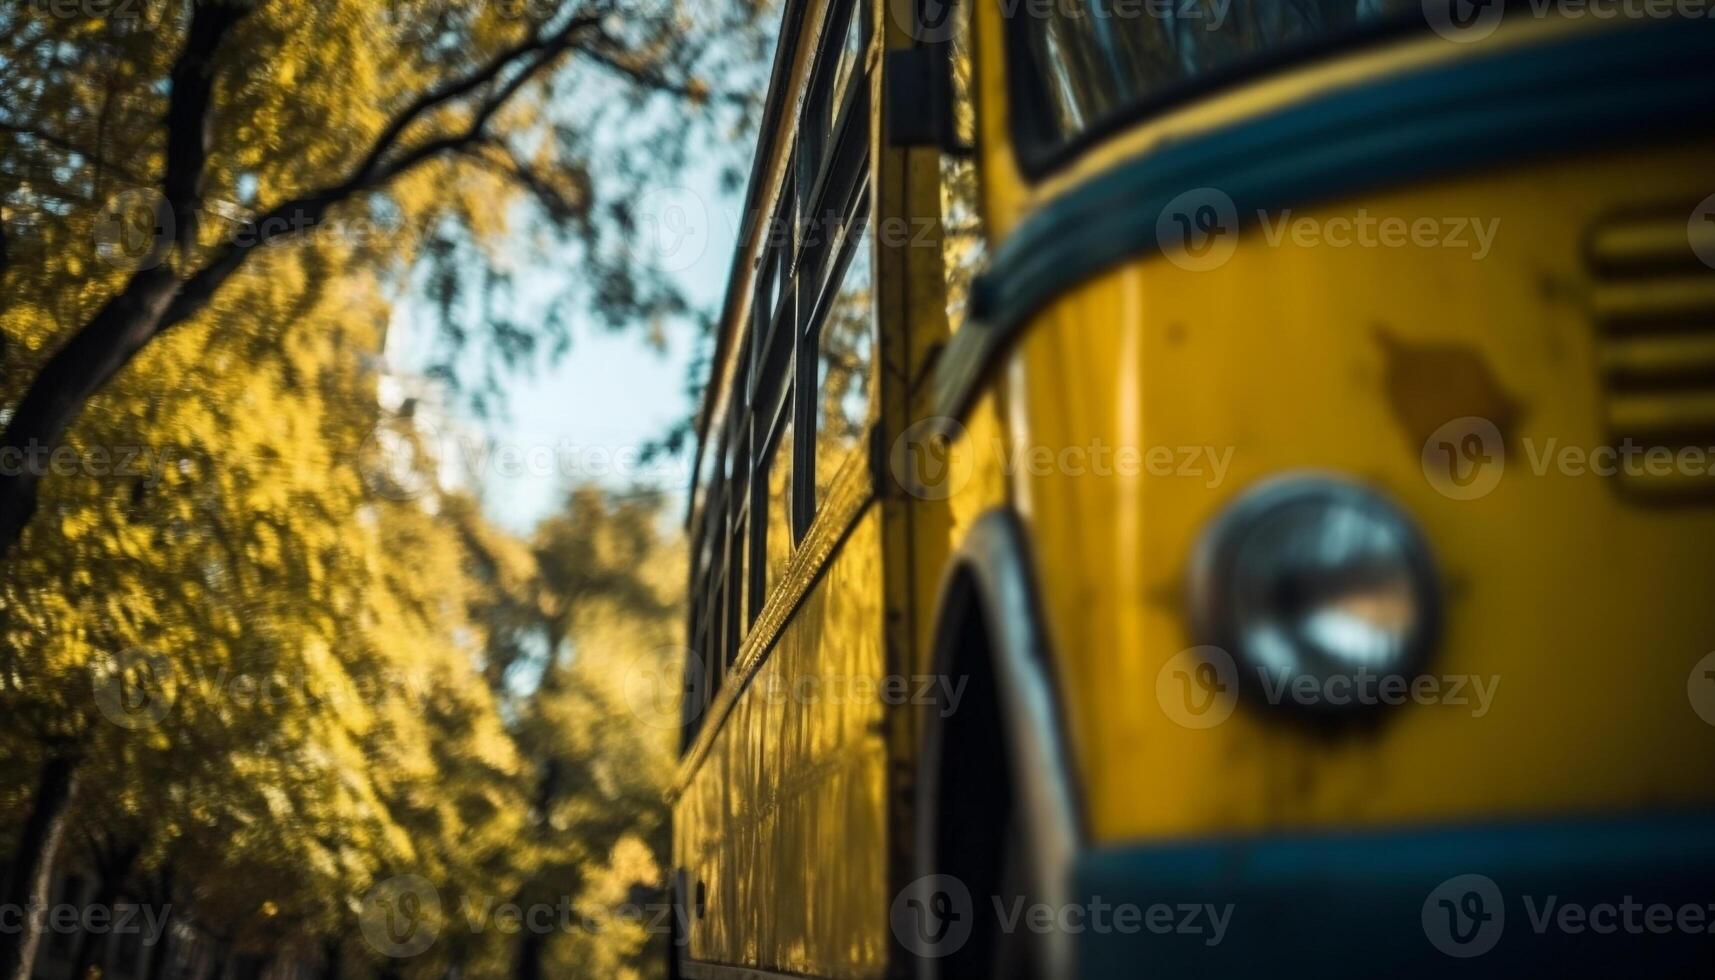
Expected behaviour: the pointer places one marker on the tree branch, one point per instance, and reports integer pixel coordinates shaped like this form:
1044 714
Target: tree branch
602 53
154 301
67 146
188 109
510 167
551 45
306 213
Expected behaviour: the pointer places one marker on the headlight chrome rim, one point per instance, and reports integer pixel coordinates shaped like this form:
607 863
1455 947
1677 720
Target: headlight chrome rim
1214 577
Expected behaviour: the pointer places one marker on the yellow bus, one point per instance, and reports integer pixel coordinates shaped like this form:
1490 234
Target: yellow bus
1211 486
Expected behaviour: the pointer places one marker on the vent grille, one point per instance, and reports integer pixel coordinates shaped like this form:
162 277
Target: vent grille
1654 310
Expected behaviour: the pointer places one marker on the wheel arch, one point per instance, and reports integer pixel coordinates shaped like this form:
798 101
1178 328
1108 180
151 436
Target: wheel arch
990 643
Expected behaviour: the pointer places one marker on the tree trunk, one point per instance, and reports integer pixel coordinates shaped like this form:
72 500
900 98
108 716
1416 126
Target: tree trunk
457 955
161 957
158 891
57 394
331 953
531 948
251 967
33 865
112 868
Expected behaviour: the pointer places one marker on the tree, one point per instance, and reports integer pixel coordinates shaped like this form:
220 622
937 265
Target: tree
601 754
260 106
231 638
214 630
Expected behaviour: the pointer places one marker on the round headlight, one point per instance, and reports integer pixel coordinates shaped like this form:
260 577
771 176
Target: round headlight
1322 591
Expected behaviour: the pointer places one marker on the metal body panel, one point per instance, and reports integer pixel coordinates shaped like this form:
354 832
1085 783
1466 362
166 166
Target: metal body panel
1586 609
783 821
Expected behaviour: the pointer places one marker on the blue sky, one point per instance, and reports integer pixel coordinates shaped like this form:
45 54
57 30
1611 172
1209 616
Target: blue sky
585 417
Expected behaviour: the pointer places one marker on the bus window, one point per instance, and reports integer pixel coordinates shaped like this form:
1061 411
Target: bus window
695 682
838 317
850 54
833 93
845 347
738 503
771 425
964 246
779 537
736 596
1092 59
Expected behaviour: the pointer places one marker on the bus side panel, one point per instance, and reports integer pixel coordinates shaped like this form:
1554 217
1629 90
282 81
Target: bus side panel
784 822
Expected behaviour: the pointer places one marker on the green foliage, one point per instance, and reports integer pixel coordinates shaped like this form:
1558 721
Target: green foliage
282 686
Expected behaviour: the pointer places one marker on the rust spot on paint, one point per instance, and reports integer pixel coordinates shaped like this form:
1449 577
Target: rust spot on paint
1431 384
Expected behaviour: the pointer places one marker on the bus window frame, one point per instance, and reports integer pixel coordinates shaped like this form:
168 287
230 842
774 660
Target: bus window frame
725 604
839 191
792 266
813 169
